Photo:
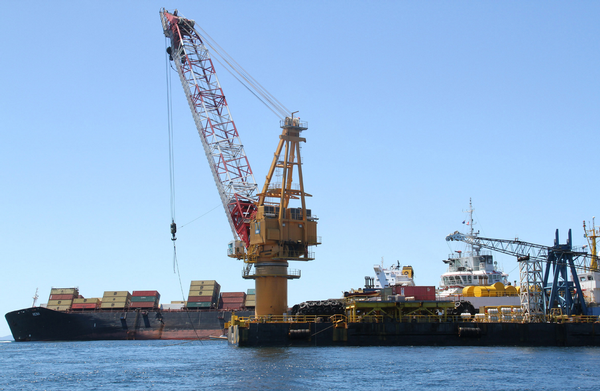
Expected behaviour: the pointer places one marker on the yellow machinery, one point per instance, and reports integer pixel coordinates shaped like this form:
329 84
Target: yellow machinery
591 235
408 271
279 232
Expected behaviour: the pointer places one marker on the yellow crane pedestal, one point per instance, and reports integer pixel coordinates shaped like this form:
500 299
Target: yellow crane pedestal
271 287
280 232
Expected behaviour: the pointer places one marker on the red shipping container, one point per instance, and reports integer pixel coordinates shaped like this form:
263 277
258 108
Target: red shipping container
236 307
145 293
142 304
232 300
82 306
200 299
61 297
233 294
420 293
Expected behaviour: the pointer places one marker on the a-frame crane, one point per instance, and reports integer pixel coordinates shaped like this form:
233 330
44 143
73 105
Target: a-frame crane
548 274
267 233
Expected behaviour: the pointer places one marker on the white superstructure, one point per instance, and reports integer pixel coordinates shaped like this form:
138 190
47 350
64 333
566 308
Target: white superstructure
472 267
395 275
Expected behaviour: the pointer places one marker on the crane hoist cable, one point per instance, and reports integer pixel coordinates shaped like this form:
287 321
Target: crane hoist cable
173 225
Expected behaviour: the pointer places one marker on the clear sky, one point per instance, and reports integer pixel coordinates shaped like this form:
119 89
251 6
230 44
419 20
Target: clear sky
413 108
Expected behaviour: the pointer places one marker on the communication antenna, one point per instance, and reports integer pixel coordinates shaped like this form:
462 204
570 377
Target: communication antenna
35 297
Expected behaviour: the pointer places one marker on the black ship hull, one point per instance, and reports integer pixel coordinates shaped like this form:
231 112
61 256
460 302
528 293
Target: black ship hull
416 334
42 324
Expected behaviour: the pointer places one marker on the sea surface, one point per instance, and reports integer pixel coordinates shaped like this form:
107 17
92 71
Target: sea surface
176 365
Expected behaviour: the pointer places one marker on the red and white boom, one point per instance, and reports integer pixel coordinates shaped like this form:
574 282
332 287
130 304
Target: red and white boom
220 139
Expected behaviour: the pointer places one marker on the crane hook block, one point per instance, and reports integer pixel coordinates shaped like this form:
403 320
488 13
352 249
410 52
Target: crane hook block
173 230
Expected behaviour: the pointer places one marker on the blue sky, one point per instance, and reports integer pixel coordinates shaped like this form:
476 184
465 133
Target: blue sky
413 108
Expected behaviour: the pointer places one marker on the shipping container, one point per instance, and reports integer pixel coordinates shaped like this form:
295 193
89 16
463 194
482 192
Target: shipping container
58 307
177 302
250 297
87 301
204 282
85 306
60 302
117 299
232 300
118 305
116 293
61 297
64 291
172 306
200 299
233 294
251 292
143 304
420 293
250 303
199 305
203 293
145 293
232 307
145 298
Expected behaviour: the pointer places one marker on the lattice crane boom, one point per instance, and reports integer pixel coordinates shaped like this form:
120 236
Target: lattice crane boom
517 248
219 135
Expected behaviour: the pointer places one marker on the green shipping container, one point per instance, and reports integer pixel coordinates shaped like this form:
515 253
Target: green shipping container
153 299
199 305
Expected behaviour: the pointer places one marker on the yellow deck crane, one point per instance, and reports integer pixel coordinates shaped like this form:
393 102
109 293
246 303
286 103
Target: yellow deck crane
279 232
591 235
268 232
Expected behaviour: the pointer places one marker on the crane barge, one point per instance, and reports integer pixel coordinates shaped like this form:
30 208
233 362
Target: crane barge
268 233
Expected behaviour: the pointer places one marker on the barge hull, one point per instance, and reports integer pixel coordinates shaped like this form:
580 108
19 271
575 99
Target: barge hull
416 334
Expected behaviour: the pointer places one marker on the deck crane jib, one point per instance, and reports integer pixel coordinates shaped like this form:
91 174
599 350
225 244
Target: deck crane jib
220 139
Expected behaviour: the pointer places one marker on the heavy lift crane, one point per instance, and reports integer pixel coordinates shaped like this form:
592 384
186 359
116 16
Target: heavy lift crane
543 291
267 231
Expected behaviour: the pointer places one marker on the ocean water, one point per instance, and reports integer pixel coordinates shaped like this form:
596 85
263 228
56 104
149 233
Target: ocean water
176 365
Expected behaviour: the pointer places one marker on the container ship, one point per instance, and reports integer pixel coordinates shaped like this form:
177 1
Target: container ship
139 315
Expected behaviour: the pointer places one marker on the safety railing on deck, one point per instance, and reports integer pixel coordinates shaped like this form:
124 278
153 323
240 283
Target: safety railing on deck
342 320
